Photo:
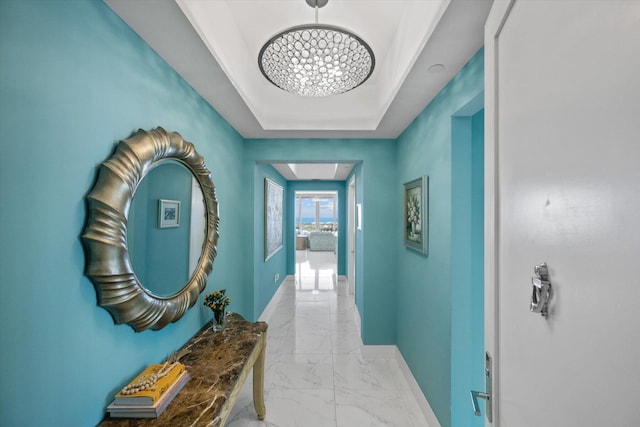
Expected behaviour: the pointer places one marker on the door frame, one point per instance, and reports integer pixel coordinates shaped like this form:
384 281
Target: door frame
467 317
493 27
351 235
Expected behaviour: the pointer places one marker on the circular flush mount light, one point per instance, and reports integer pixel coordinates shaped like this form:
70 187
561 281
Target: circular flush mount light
316 60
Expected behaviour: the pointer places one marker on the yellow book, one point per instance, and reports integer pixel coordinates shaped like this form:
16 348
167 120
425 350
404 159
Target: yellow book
149 411
150 395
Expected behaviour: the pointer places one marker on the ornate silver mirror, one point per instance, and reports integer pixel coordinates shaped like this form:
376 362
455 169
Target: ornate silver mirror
173 216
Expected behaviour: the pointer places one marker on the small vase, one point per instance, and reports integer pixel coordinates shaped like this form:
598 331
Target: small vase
219 319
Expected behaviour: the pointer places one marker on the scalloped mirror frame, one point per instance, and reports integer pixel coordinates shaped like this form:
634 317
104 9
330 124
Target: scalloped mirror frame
105 236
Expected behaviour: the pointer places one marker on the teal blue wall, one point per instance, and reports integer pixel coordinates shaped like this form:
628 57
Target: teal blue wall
424 282
379 197
74 79
265 285
467 265
337 186
160 256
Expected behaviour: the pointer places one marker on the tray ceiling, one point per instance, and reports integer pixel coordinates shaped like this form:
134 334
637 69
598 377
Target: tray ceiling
214 45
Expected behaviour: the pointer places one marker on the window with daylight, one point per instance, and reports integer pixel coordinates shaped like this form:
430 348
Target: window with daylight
316 212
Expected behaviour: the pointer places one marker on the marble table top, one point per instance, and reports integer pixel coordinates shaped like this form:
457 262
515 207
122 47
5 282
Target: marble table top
215 361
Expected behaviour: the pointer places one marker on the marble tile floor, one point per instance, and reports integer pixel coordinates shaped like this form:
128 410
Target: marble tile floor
315 374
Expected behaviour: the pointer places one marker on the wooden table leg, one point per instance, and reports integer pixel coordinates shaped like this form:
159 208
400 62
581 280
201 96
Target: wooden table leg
258 381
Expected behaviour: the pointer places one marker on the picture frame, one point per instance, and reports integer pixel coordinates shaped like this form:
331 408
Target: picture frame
168 213
416 214
273 218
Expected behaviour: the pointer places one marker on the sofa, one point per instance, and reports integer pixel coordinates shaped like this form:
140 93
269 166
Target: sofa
322 241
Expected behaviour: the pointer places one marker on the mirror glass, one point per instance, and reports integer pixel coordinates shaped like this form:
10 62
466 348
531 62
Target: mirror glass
166 228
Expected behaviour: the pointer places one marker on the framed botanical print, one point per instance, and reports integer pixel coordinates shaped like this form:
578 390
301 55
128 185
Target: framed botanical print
416 212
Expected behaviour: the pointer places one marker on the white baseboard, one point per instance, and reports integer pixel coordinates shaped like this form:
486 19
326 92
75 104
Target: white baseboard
426 409
268 310
358 320
372 352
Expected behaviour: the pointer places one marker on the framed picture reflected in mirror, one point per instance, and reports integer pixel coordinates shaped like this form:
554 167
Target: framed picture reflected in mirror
168 213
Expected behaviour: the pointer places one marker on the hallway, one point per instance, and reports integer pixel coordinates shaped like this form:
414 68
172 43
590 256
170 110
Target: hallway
316 374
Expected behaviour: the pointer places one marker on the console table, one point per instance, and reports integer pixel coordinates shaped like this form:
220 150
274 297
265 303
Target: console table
218 363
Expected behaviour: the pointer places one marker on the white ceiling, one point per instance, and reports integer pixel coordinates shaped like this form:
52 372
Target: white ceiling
235 31
314 171
214 45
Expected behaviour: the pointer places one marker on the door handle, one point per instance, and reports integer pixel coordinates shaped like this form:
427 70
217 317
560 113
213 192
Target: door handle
474 400
486 395
542 290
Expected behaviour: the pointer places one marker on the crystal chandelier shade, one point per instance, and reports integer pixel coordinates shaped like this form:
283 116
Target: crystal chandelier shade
316 60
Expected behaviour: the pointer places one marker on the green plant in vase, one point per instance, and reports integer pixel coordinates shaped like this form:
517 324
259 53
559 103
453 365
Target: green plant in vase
217 302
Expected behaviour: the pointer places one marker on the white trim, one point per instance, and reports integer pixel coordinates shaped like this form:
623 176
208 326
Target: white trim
354 221
356 316
271 306
426 409
495 22
372 352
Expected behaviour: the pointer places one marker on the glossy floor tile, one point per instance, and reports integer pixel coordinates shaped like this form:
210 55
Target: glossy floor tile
315 373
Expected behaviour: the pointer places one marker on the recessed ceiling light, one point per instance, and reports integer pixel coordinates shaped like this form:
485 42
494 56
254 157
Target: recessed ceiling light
436 68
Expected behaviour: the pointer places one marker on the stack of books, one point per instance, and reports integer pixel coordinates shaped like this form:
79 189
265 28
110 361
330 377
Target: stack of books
153 400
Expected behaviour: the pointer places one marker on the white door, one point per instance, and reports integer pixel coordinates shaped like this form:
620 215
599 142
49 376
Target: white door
563 187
